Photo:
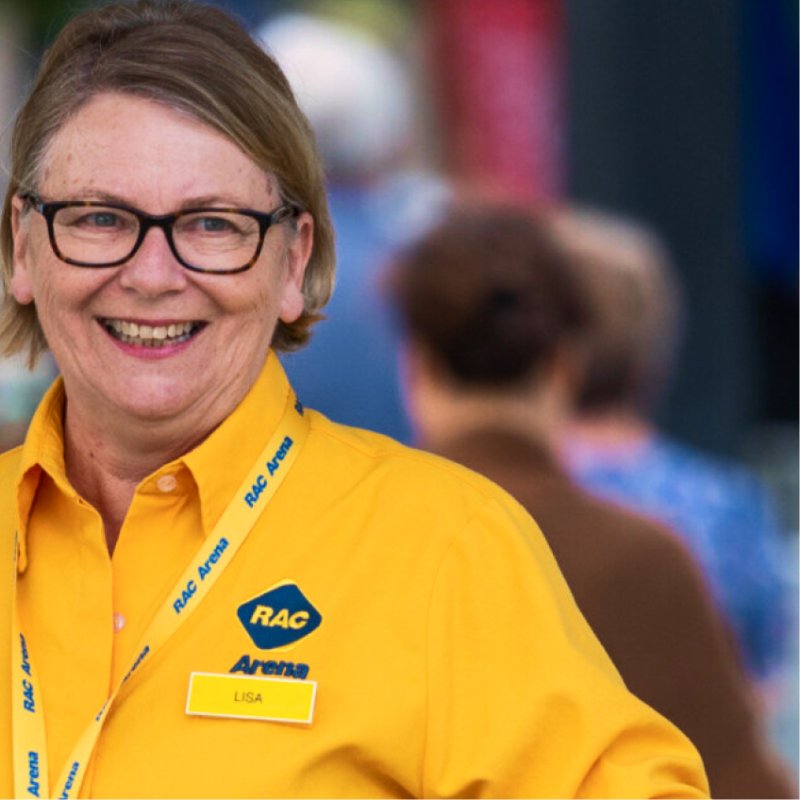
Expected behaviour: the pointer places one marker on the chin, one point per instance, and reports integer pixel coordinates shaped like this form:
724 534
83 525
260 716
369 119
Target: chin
182 402
156 410
163 400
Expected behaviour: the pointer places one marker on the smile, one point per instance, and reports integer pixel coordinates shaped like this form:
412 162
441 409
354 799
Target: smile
151 335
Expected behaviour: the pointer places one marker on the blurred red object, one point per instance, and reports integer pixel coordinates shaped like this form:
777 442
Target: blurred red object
500 85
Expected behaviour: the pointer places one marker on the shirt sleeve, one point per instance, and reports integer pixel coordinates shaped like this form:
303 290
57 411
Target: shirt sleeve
522 699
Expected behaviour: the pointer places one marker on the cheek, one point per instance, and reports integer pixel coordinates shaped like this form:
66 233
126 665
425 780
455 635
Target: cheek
256 299
58 290
251 316
52 308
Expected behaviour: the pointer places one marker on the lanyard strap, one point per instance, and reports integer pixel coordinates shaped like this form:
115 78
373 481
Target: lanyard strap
214 555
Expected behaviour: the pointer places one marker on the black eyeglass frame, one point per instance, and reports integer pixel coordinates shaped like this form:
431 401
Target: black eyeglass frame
265 221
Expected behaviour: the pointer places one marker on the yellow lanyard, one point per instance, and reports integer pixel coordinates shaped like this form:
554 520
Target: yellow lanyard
214 555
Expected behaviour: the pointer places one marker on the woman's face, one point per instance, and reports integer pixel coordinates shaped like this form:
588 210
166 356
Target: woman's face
137 152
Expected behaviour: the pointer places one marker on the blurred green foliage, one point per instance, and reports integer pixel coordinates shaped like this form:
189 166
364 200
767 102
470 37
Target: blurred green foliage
41 20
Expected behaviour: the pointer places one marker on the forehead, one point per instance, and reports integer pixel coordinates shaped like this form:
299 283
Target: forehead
149 154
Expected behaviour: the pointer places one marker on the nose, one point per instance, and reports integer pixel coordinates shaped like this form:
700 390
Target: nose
153 269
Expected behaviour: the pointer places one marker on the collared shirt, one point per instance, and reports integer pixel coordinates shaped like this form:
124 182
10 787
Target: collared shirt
450 658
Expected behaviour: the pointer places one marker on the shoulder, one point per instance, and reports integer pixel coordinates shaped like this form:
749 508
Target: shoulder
383 458
728 501
599 544
433 496
644 549
717 478
660 597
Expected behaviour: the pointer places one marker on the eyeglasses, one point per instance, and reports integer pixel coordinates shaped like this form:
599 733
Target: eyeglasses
86 233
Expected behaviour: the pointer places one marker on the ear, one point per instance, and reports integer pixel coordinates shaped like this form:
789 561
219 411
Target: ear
298 252
419 375
426 392
565 371
425 367
21 278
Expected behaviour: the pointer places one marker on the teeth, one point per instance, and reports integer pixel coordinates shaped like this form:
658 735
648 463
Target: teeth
149 335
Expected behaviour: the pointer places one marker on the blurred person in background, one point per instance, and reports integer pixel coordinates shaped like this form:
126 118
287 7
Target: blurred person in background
492 318
357 95
615 450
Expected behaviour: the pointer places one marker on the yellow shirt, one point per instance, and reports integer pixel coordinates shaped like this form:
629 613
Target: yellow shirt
449 656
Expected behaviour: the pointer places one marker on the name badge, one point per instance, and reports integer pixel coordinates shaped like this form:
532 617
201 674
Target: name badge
246 697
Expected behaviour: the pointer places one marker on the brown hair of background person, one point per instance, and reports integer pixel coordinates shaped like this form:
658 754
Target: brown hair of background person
489 310
635 312
142 51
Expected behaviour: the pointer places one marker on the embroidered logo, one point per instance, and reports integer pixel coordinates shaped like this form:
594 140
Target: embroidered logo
278 617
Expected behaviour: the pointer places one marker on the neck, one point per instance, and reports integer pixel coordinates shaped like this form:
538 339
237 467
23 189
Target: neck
447 413
106 459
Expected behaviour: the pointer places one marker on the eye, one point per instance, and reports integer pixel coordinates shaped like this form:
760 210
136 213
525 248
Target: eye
212 224
102 219
95 220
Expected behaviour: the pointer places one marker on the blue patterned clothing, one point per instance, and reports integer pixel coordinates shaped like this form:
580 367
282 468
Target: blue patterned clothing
725 517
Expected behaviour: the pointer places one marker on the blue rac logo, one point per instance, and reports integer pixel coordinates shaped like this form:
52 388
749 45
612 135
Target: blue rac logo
279 617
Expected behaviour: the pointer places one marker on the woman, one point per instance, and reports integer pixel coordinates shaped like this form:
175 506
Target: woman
491 365
218 593
614 448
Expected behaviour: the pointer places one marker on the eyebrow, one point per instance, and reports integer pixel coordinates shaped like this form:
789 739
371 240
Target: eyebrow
200 201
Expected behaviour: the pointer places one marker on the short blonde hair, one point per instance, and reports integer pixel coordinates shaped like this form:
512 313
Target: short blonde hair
198 60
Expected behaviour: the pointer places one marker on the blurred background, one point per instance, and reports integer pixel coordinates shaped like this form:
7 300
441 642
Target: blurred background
680 113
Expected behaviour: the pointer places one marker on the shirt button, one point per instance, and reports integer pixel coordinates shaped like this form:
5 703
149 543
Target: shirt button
119 622
167 483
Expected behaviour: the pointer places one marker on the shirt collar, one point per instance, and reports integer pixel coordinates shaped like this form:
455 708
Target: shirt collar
220 463
217 465
43 451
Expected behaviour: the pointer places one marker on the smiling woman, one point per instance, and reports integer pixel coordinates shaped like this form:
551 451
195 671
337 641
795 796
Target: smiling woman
175 513
103 320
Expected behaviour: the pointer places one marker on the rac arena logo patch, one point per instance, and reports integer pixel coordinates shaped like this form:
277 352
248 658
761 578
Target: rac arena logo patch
279 617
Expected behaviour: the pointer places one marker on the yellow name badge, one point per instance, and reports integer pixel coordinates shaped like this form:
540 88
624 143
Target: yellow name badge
245 697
